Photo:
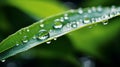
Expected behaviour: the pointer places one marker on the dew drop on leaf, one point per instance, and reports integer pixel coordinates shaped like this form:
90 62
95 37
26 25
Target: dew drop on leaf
25 39
41 25
58 25
86 21
89 11
42 35
48 42
80 11
17 44
55 38
2 60
74 25
99 9
105 22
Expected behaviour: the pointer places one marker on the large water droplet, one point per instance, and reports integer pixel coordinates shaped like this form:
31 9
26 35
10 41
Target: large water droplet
25 39
42 35
2 60
58 25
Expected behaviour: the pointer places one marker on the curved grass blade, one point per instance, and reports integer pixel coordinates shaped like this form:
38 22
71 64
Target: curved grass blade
54 27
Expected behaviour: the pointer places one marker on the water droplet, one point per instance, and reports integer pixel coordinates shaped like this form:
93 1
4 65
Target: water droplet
99 9
48 42
89 11
94 9
86 21
113 8
42 35
55 38
56 20
105 17
62 19
66 18
58 25
41 25
80 11
28 29
41 21
34 37
2 60
105 22
25 39
17 44
74 25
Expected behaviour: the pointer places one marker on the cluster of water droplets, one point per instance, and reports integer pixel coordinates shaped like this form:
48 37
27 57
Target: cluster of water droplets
64 23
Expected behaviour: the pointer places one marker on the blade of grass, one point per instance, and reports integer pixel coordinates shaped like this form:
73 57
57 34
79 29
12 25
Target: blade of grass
52 27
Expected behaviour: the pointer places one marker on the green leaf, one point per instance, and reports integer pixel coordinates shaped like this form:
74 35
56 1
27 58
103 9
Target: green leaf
53 27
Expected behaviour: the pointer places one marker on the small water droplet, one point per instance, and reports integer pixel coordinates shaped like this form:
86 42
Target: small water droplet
58 25
66 18
17 44
34 37
42 35
94 9
105 22
99 9
41 25
55 38
86 21
89 11
48 42
62 19
28 29
2 60
25 39
105 17
80 11
74 25
113 8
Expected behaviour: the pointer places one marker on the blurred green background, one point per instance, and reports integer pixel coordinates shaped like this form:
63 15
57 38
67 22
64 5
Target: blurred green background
88 47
